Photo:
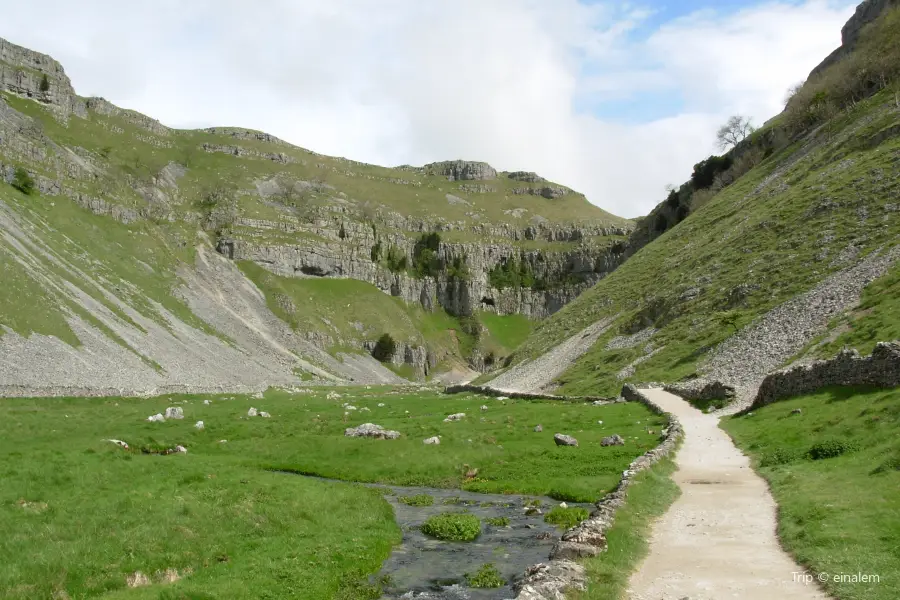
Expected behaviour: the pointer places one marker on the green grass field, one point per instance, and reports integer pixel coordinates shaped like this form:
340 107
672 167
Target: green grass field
839 514
82 514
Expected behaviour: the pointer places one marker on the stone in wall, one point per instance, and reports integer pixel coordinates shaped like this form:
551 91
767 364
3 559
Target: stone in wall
880 369
702 390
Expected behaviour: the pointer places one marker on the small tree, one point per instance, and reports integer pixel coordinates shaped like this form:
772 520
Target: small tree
23 182
45 83
734 131
384 348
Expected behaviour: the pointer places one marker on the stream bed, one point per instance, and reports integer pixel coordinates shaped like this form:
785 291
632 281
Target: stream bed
425 568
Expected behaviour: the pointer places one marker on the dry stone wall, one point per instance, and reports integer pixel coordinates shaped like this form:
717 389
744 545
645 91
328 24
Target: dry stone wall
881 369
551 580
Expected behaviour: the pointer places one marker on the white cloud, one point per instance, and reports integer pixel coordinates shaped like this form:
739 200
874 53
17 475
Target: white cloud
411 81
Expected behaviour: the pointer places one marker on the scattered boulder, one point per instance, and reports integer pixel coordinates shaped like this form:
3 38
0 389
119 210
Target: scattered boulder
613 440
564 440
563 505
538 429
207 402
264 414
797 411
455 417
252 412
180 450
174 412
372 431
157 418
119 443
199 425
333 396
432 441
381 405
484 407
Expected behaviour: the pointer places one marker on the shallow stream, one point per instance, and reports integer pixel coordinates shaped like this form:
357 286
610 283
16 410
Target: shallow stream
426 568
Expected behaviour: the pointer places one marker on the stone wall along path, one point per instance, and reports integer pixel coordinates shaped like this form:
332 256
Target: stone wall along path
718 539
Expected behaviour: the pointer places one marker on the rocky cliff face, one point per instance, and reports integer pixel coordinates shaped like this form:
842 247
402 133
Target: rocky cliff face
36 75
865 13
335 244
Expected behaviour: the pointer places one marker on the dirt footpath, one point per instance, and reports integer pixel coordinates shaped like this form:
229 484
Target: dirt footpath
718 540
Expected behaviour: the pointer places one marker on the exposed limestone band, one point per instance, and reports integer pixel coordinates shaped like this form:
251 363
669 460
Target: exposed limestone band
550 580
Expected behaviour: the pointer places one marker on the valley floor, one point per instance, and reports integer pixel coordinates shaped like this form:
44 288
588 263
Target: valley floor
84 515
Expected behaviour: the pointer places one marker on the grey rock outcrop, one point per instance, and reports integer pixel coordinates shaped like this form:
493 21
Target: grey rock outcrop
866 12
462 170
22 72
370 430
612 440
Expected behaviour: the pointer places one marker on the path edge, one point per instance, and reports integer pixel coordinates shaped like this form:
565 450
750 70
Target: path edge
550 580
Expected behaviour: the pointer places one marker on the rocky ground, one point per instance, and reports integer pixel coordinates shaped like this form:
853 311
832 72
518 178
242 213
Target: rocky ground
746 358
536 375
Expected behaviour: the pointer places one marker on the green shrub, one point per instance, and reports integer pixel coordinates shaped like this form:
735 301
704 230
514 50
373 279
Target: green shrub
384 348
45 83
453 527
566 517
395 259
830 449
23 182
486 577
497 521
417 500
779 456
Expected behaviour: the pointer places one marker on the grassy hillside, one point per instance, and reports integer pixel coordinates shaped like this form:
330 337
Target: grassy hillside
235 160
808 210
834 470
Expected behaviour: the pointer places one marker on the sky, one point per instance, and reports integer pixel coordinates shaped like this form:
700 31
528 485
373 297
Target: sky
613 99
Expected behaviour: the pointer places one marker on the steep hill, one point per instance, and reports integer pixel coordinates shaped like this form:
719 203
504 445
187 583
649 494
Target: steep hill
759 257
159 257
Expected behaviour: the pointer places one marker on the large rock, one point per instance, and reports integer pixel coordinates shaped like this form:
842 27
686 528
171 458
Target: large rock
613 440
564 440
432 441
371 430
456 170
455 417
174 412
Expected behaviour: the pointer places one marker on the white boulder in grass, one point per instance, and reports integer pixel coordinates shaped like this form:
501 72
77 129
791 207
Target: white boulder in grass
432 441
180 450
199 425
252 412
174 412
119 443
455 417
484 407
207 402
157 418
264 414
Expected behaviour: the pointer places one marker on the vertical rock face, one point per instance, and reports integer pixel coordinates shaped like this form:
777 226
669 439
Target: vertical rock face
343 249
23 71
866 12
459 170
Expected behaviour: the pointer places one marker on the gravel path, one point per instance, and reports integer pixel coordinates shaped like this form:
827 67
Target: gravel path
533 376
718 539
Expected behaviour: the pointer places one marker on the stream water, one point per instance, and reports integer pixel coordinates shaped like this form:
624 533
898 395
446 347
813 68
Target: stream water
425 568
